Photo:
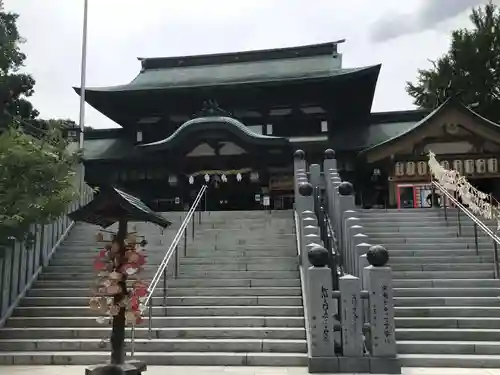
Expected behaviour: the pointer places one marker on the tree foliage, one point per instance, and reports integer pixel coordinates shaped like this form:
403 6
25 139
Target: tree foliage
36 172
470 70
36 180
15 86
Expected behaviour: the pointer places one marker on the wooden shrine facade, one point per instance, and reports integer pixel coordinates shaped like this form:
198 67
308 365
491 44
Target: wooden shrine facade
460 138
233 119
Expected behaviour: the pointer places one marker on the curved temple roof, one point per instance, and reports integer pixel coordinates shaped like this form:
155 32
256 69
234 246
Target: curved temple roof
224 123
449 103
235 74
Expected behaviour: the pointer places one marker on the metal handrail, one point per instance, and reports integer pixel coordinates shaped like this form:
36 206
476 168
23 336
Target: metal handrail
157 277
328 236
477 223
335 244
172 249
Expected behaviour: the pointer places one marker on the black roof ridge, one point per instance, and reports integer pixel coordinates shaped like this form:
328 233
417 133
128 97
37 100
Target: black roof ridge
309 50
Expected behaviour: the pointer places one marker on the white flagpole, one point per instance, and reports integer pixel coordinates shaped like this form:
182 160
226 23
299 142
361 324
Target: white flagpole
83 79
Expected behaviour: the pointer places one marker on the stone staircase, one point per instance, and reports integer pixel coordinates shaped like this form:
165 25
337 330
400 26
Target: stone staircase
447 299
237 300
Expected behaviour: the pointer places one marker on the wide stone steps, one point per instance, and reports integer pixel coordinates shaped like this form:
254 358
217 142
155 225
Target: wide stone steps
231 310
190 275
176 358
446 292
433 260
444 274
195 333
447 300
448 347
159 345
448 311
236 301
449 322
76 322
446 283
179 301
187 283
398 267
178 292
443 251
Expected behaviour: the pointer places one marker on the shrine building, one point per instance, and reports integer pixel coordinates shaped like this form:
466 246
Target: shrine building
235 120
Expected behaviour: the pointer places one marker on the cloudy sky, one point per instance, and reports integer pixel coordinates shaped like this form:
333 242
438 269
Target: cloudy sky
402 35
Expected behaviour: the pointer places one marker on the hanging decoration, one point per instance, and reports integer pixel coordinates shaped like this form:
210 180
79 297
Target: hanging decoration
223 175
479 203
117 276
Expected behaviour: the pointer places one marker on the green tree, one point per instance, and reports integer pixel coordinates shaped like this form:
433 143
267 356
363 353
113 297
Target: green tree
36 180
36 171
15 87
470 70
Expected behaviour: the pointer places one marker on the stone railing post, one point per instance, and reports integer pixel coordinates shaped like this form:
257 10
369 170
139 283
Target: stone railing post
378 280
300 177
305 198
329 171
350 220
345 203
362 250
315 175
329 161
309 234
351 313
321 310
357 239
299 161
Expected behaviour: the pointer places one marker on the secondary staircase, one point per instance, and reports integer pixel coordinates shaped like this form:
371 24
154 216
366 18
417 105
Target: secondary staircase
236 301
446 296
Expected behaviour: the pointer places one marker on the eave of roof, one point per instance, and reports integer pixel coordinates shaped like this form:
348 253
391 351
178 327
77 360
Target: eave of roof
451 102
214 123
209 80
112 204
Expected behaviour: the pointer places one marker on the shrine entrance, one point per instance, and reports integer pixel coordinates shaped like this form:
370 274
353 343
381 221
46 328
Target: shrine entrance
227 192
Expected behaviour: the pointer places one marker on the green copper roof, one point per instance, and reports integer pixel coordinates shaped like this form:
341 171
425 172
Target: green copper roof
299 69
377 133
211 123
450 103
291 63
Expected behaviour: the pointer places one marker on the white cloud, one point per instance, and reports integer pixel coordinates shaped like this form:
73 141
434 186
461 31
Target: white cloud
121 30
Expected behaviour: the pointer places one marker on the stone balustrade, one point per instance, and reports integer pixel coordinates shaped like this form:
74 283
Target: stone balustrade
22 262
349 328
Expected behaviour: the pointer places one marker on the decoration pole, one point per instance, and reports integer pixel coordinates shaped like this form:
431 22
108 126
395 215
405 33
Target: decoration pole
118 330
83 80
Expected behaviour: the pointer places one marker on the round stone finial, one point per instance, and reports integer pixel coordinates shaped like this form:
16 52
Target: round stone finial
329 154
346 188
306 189
318 256
299 155
377 256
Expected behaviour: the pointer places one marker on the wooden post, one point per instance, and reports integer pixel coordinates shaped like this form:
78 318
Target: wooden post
118 330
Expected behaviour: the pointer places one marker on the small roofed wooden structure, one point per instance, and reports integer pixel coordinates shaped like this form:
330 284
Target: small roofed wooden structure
112 205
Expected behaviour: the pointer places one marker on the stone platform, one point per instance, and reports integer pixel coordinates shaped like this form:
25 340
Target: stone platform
219 370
